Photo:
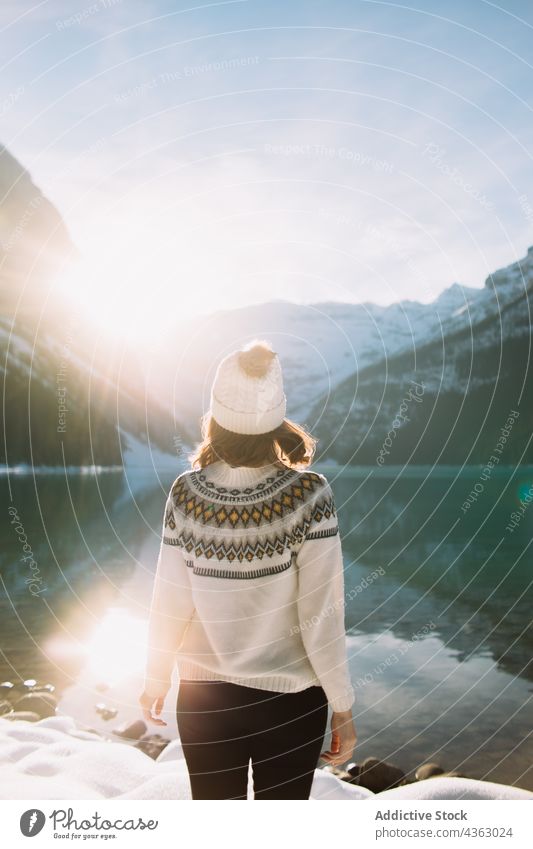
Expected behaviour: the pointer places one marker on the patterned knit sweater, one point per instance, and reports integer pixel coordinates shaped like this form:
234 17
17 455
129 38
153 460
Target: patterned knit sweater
249 586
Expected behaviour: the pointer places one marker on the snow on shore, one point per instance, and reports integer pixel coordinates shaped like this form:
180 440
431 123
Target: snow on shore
56 758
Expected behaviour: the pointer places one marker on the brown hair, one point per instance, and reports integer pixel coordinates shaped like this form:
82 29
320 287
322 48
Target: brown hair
290 444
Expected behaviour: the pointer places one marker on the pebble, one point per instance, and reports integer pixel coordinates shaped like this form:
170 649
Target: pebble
105 711
5 707
152 744
133 731
427 771
40 702
23 715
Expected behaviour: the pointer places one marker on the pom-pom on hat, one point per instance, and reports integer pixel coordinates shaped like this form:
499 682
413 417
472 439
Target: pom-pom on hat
247 393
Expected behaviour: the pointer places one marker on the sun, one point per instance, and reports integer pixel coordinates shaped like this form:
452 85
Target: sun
114 650
129 281
113 290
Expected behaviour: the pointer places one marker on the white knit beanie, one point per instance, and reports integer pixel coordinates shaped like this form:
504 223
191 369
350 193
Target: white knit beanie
247 393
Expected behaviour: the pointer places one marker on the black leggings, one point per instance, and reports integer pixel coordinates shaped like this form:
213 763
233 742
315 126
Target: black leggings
222 725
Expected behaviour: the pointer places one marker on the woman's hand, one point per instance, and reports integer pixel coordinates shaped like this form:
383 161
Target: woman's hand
156 703
343 738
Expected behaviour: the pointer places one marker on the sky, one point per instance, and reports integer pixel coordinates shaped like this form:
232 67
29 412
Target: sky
212 155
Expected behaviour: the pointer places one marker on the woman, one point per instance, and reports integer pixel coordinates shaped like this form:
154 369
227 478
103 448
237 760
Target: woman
249 598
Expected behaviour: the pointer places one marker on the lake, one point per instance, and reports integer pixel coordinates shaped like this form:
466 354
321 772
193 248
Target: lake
439 605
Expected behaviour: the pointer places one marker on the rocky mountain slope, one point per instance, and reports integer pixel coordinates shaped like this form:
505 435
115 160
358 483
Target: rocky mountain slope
447 400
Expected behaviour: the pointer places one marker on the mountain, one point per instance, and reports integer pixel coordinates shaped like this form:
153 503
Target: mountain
66 401
446 400
348 370
319 344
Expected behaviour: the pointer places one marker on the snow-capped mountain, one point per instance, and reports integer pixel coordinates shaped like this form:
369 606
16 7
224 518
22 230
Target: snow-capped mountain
324 345
319 345
472 381
347 367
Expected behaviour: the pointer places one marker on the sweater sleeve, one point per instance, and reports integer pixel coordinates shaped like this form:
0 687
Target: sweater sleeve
172 607
321 601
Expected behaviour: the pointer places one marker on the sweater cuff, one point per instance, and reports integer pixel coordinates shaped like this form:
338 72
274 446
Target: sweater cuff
342 703
156 688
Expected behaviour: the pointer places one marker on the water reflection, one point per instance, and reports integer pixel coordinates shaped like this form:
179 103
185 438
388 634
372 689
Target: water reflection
89 537
464 572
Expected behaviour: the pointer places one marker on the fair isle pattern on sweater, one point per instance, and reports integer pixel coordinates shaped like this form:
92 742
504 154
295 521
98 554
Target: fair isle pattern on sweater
222 530
281 630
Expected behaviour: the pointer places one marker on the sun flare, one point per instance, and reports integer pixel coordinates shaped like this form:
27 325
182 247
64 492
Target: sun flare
139 282
111 652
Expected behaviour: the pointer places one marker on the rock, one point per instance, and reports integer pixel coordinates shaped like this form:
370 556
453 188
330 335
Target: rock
6 689
133 731
30 685
45 688
5 707
152 745
379 775
330 768
349 773
108 713
22 688
343 774
427 771
33 686
41 703
16 690
105 711
23 715
454 775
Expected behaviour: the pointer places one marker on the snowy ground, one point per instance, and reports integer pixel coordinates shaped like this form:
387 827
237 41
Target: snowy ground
56 759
